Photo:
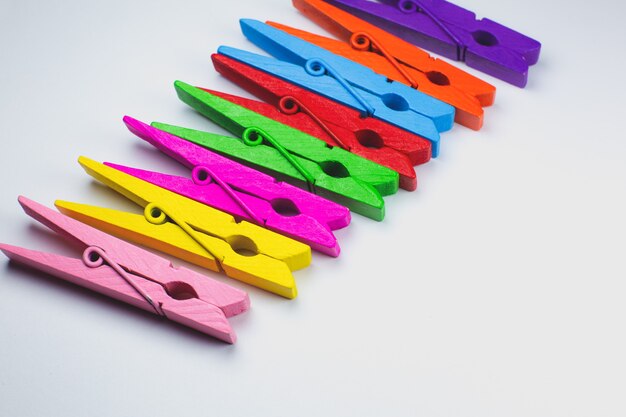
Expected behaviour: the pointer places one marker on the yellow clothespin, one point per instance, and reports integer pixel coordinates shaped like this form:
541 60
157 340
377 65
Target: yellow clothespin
194 232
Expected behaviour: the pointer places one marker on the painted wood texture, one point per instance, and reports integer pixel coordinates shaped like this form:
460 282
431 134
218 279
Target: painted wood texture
336 174
454 32
363 48
334 123
179 294
292 49
432 73
194 232
391 108
242 191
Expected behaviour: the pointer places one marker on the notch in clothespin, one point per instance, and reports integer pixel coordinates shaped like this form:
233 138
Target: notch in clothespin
134 276
398 60
344 81
334 123
242 191
454 32
194 232
288 154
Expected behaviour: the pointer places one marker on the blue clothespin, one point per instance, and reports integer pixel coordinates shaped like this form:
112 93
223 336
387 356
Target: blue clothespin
344 81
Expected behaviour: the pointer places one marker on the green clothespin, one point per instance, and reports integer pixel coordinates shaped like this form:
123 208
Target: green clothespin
288 154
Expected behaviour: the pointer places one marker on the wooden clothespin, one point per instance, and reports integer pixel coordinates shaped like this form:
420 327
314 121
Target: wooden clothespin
334 123
449 30
134 276
194 232
345 81
242 191
398 60
288 154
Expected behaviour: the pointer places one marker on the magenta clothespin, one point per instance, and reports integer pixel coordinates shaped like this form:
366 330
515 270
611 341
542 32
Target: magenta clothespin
135 276
242 191
454 32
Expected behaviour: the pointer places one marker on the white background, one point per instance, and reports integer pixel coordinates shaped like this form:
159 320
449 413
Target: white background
496 289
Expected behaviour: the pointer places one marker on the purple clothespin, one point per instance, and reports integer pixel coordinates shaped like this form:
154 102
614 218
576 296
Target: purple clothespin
453 32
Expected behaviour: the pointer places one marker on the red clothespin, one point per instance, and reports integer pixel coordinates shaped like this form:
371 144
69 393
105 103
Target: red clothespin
336 124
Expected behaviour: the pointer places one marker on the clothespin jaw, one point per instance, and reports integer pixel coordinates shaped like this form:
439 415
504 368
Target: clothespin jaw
334 123
289 154
242 191
396 59
132 275
194 232
454 32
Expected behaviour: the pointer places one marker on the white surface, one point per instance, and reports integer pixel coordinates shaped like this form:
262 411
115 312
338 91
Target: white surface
497 289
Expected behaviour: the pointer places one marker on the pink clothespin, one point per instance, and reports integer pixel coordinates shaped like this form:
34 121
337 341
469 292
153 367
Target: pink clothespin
135 276
242 191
